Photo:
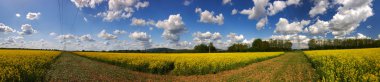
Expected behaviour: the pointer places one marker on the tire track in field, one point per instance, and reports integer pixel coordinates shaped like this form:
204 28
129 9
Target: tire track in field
292 66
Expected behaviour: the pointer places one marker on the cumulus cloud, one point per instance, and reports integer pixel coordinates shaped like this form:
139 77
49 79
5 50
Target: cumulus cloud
206 37
86 3
18 15
378 36
173 27
142 38
358 36
227 2
262 8
320 27
141 5
284 27
33 15
276 7
234 11
27 29
112 15
104 35
209 17
293 2
362 36
349 16
141 22
86 38
234 38
66 37
257 11
52 34
118 32
118 9
5 29
262 22
298 41
187 2
319 8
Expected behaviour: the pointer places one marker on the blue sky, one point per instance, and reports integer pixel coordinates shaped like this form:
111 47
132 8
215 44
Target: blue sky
78 23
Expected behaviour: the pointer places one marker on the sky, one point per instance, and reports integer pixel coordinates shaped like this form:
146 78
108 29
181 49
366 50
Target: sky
181 24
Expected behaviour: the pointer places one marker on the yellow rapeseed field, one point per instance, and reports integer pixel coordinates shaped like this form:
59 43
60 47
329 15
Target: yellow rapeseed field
180 63
24 65
347 65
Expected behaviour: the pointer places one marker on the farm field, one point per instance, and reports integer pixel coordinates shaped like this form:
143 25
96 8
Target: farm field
291 66
180 63
317 65
25 65
347 65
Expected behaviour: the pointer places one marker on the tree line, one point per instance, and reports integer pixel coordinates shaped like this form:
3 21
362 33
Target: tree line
319 44
257 45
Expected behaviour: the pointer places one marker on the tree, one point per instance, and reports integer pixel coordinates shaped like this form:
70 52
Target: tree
201 48
211 47
238 47
257 45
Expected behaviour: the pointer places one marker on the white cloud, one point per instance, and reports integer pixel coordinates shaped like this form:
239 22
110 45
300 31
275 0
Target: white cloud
104 35
245 41
5 29
362 36
257 11
298 41
198 10
350 15
234 11
378 36
319 8
173 27
141 5
276 7
27 29
86 3
118 32
141 37
206 37
369 26
85 19
86 38
118 9
208 17
141 22
112 15
18 15
358 36
293 2
227 2
262 22
185 45
52 34
150 28
234 38
33 16
320 27
283 26
66 37
187 2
